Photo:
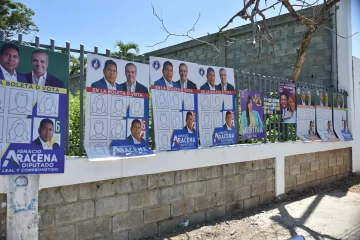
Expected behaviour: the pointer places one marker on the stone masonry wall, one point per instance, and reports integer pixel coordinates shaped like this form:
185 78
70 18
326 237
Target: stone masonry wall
143 206
314 169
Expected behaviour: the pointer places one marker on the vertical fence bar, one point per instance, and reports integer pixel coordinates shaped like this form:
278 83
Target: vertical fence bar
37 42
120 55
237 101
265 113
254 82
96 50
52 45
274 123
20 39
132 57
2 35
67 135
108 52
142 59
248 86
82 99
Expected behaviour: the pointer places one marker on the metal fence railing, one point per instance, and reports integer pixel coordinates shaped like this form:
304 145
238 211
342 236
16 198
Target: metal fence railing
275 130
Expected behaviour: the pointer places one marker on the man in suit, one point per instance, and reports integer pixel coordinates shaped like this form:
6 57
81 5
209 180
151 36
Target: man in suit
321 99
210 84
309 97
9 61
110 74
46 133
326 100
135 137
338 105
131 85
166 79
224 85
228 121
329 127
184 82
189 127
39 74
303 98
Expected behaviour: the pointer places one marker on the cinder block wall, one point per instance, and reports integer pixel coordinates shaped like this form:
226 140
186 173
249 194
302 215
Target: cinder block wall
314 169
3 208
142 206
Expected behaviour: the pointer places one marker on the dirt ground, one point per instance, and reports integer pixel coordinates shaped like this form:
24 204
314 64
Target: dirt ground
270 221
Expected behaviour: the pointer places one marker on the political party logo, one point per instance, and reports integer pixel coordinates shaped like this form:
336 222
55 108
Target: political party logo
201 71
176 142
95 63
11 158
29 158
257 100
156 65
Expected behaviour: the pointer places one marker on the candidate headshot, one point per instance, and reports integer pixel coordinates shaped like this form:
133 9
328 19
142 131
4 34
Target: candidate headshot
343 101
302 98
345 126
309 97
135 137
189 127
311 128
224 85
131 85
46 133
166 79
39 74
338 99
184 82
228 121
321 99
9 61
210 84
326 99
329 128
110 74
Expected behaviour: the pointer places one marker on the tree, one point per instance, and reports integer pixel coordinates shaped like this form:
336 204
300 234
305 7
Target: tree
125 49
251 10
75 64
16 18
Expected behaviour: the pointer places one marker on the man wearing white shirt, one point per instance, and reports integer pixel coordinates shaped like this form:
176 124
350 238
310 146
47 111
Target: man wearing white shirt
46 133
224 85
135 137
321 99
9 61
110 74
39 74
184 82
189 127
210 84
326 99
131 84
303 98
166 79
309 97
228 121
338 101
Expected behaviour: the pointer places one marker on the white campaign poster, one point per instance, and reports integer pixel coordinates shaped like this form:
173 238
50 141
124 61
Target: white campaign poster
117 108
217 106
341 117
174 100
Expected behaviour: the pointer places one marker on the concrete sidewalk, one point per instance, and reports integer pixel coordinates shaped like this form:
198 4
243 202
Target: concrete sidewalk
333 215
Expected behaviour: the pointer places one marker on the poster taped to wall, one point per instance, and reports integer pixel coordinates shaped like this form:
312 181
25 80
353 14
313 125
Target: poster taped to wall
306 124
341 117
252 117
33 104
217 106
117 109
287 102
324 123
174 101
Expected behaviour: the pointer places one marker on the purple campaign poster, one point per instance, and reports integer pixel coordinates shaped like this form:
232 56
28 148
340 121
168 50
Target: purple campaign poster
287 102
252 118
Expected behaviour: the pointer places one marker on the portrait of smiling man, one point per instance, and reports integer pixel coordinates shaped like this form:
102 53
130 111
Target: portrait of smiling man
110 74
46 133
39 74
9 61
131 85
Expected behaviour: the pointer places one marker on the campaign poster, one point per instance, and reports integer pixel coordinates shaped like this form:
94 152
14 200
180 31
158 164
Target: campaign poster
341 117
287 102
174 100
324 122
306 124
117 109
271 106
217 106
32 110
252 117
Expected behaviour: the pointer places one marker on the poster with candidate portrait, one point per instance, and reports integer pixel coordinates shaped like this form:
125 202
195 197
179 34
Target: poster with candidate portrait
217 106
117 109
306 124
252 117
324 124
32 110
287 102
174 100
341 117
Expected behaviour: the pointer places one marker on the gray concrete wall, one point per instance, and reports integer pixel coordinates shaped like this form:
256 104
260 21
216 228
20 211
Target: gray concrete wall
288 35
142 206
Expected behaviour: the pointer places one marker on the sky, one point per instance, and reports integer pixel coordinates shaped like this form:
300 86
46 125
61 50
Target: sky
102 23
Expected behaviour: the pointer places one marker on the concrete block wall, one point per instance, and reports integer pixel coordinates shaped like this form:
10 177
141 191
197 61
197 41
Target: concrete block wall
314 169
143 206
3 209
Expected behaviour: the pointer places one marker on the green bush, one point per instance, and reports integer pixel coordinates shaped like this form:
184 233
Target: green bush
74 132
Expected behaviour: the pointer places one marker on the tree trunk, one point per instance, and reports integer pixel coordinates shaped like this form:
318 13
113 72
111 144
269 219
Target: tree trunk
302 54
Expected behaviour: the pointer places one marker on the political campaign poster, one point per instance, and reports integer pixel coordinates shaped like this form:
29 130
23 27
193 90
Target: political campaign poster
117 109
287 102
252 117
306 124
174 100
341 117
33 104
324 124
271 106
217 106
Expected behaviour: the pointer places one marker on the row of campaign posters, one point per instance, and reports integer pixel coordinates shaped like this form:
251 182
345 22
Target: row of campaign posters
33 102
319 115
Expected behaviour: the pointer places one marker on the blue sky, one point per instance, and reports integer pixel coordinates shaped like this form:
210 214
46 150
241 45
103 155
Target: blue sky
101 23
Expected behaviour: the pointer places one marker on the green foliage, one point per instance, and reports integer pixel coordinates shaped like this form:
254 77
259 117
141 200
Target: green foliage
75 125
75 64
125 49
16 18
